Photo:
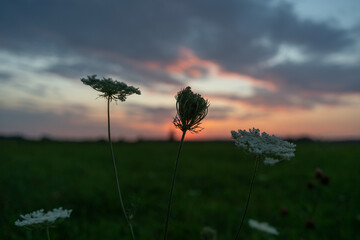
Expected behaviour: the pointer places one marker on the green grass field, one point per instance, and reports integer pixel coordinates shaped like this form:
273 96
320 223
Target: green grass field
211 190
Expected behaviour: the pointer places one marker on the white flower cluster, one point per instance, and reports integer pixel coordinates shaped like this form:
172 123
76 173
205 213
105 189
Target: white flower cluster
39 217
273 148
263 226
110 88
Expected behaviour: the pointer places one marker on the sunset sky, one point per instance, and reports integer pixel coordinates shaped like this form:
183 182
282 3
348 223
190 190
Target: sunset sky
287 67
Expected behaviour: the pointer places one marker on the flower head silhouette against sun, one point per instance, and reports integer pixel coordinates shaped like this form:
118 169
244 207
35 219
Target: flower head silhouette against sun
191 109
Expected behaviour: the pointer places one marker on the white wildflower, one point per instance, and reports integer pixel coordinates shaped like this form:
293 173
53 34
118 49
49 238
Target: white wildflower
263 226
270 161
110 89
39 217
271 147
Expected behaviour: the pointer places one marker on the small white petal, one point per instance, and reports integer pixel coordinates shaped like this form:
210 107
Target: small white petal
270 161
263 226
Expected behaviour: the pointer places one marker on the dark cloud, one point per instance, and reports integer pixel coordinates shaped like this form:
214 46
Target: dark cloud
316 37
157 115
236 29
220 113
5 76
113 37
40 123
35 89
120 69
314 76
253 116
135 29
161 115
284 100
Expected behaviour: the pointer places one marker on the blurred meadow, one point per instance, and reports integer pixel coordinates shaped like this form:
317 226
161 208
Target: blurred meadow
211 190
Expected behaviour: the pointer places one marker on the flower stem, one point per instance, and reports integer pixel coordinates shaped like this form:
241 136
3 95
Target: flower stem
248 199
116 174
47 233
172 186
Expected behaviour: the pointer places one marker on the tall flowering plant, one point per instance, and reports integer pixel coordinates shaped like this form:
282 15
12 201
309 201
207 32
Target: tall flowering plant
269 148
191 109
113 90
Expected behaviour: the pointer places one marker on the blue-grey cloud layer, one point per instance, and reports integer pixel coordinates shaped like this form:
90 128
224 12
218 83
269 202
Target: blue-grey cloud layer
105 34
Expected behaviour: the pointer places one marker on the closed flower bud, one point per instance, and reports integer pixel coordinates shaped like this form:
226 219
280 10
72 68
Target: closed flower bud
191 109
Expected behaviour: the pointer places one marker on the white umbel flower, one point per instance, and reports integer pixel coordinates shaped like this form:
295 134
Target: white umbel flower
110 89
39 217
263 226
270 161
271 147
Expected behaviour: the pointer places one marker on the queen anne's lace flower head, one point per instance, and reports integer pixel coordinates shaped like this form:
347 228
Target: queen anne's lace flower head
110 89
263 226
191 109
38 218
271 147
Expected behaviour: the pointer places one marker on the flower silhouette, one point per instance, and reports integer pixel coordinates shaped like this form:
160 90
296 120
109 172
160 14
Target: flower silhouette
191 109
110 89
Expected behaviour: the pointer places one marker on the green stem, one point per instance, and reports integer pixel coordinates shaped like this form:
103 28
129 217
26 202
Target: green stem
116 174
47 233
248 199
172 186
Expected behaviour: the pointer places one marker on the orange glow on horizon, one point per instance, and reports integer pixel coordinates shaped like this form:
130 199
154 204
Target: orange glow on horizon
286 124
